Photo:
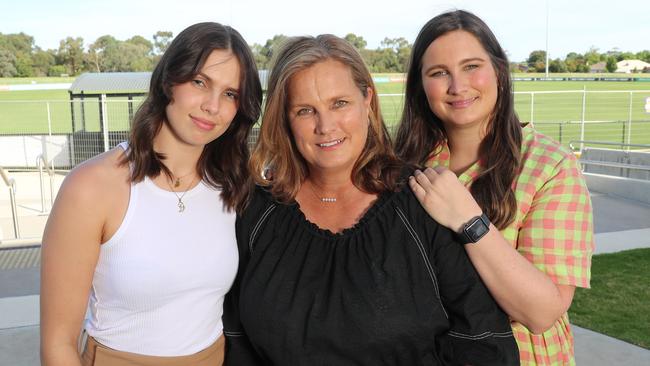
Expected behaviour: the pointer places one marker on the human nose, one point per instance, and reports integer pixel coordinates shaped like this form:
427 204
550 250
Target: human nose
457 84
325 123
210 103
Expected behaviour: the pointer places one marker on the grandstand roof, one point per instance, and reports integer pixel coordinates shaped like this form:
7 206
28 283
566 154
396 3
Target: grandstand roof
123 82
107 82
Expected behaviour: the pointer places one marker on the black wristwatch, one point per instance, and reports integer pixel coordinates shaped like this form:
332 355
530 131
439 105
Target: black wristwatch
474 229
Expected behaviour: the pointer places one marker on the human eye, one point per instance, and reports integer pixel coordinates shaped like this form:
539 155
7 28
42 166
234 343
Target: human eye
470 67
304 111
340 103
232 94
199 82
438 73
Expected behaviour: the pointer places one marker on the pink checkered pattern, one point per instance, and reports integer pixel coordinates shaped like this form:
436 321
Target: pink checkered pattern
553 229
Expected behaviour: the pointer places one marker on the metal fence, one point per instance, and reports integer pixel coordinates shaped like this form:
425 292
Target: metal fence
66 132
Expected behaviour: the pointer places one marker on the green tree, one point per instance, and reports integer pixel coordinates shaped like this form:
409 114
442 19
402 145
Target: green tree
71 52
145 44
357 41
392 56
21 47
140 51
42 61
557 65
643 55
625 56
7 63
134 57
18 42
24 64
161 41
56 70
537 61
270 47
592 56
260 59
575 62
611 64
101 50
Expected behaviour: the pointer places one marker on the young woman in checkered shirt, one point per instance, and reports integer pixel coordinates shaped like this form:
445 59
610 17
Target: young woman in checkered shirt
484 166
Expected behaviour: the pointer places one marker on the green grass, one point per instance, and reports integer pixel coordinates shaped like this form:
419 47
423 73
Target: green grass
554 114
580 75
618 303
36 80
526 86
559 115
25 112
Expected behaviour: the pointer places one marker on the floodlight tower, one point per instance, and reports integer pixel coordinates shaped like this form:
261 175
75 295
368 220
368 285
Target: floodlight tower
546 63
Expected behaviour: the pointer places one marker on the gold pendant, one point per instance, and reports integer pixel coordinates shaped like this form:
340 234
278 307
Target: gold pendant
181 206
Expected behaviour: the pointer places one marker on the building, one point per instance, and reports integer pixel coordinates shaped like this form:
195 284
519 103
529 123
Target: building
629 66
598 68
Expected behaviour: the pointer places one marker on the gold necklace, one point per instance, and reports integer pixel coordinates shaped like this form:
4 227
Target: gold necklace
177 180
180 204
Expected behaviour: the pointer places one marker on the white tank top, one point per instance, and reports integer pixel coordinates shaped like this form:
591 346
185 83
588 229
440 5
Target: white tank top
160 281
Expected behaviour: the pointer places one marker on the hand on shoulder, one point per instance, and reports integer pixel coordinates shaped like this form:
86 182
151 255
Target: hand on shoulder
444 197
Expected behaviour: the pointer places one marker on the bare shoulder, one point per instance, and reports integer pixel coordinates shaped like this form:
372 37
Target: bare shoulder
97 179
86 202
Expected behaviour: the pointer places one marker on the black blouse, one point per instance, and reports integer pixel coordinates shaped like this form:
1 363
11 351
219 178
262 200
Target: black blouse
394 289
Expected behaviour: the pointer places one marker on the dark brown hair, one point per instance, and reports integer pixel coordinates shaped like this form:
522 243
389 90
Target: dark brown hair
376 170
223 163
421 132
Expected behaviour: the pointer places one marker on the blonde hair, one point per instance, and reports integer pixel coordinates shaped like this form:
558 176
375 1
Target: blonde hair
376 169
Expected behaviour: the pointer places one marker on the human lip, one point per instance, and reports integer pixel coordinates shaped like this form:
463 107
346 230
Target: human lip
330 144
203 123
463 103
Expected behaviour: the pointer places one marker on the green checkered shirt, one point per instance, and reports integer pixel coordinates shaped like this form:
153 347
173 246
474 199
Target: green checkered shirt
553 229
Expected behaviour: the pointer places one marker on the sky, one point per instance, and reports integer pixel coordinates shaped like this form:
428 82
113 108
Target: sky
520 26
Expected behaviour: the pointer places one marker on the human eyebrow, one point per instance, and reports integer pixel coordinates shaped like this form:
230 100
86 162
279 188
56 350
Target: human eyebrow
202 76
471 59
336 98
433 67
294 106
233 90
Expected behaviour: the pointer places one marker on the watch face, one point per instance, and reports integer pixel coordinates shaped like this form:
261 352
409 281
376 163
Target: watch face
476 229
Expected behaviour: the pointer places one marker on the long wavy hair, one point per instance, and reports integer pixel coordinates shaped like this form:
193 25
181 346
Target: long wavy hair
421 132
377 169
223 162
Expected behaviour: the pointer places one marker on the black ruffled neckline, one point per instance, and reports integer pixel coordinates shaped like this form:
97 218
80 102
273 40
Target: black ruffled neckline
368 216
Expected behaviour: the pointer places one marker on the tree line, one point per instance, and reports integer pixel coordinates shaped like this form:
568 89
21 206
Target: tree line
20 57
576 62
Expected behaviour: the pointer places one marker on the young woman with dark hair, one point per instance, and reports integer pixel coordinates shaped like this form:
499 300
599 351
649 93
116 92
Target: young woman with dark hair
339 263
143 235
459 120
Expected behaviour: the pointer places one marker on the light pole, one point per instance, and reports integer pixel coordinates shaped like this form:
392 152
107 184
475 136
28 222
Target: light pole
546 39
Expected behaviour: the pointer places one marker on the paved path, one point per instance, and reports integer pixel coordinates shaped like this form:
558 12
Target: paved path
619 225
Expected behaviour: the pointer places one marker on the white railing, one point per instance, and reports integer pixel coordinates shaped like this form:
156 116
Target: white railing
11 185
611 106
41 162
69 132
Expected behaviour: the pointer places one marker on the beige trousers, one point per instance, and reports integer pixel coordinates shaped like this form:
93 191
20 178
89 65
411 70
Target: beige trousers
96 354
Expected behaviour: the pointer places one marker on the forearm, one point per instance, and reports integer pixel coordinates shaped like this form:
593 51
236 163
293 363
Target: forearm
524 292
59 354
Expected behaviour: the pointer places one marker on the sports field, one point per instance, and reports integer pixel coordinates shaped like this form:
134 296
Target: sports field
607 108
